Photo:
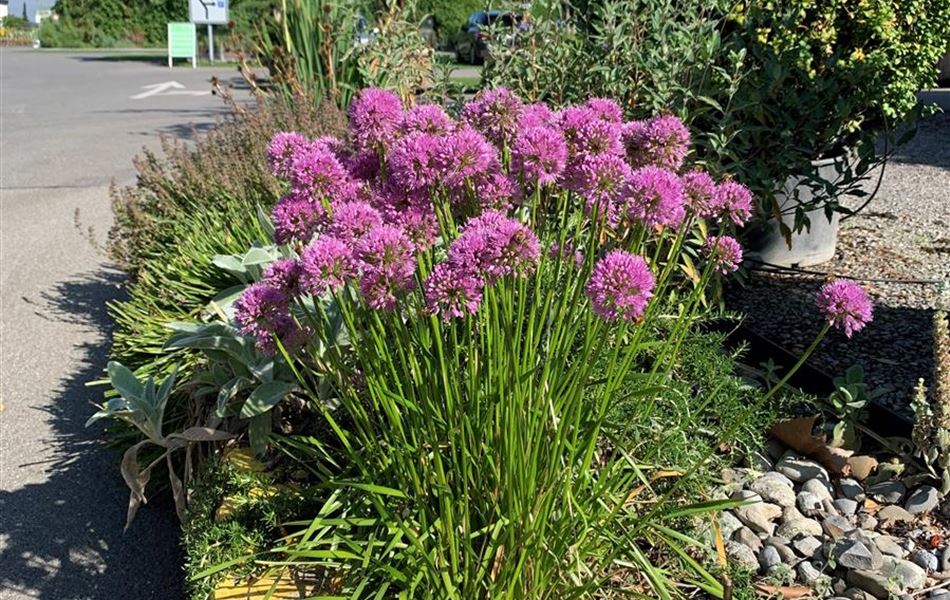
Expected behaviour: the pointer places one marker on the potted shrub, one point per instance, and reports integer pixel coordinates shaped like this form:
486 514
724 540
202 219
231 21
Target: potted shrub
825 80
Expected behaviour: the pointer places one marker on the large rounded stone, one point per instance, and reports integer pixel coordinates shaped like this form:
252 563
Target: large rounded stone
807 545
800 469
794 528
747 538
889 545
924 500
846 506
910 575
851 489
889 515
809 504
924 559
773 490
807 572
742 555
855 554
768 558
888 492
819 487
758 515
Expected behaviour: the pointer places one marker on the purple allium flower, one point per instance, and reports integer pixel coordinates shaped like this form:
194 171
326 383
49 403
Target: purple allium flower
420 224
700 191
452 292
386 259
725 253
263 311
296 217
620 286
465 153
733 201
661 141
327 263
493 191
281 150
413 161
605 109
350 221
846 306
536 115
427 118
375 116
603 181
495 113
539 155
285 274
316 171
493 245
587 134
655 197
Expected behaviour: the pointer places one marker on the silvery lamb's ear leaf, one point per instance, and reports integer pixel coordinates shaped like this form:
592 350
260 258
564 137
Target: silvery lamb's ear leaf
227 392
225 300
124 381
205 434
232 264
262 255
265 221
265 397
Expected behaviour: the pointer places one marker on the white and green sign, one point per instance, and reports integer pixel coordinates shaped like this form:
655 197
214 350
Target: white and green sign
182 42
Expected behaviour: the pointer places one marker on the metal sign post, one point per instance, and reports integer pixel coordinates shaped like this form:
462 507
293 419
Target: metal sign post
210 13
182 42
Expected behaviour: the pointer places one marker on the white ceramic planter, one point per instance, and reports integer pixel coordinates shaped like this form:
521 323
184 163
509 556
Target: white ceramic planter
811 246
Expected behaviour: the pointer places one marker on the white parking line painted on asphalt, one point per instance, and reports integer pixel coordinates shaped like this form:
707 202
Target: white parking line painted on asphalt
168 88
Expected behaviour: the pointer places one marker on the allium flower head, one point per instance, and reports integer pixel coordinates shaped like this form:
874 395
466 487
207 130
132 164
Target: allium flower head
385 257
296 217
316 171
661 141
845 305
493 191
539 155
655 197
420 224
363 165
603 180
700 191
427 118
493 245
352 220
463 154
327 264
536 115
587 134
281 150
733 202
495 113
263 311
725 253
452 292
413 161
285 274
605 109
620 286
375 116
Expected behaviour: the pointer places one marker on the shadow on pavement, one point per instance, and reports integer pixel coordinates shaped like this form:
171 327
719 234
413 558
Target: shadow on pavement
141 57
63 539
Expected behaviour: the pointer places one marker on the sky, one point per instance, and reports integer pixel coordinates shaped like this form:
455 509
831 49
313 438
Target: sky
16 7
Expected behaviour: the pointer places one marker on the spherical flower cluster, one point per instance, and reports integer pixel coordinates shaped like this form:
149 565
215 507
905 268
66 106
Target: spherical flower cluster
724 252
495 113
605 109
281 151
536 115
386 258
700 191
538 155
845 305
316 172
352 220
427 118
464 154
285 274
620 286
493 246
452 292
327 264
263 312
733 202
414 161
603 181
662 141
375 117
296 217
655 197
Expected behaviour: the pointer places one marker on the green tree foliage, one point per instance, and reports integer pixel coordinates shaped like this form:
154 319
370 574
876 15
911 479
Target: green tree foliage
450 15
106 22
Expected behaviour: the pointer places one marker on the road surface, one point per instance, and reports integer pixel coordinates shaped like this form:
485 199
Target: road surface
70 125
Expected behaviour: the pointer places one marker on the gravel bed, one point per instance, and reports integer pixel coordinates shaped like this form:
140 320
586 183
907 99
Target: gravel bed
903 234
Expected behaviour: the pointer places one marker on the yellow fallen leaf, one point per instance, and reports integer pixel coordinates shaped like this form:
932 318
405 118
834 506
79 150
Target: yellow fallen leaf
243 459
281 586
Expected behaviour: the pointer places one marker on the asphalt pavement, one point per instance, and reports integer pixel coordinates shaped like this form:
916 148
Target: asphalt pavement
70 124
